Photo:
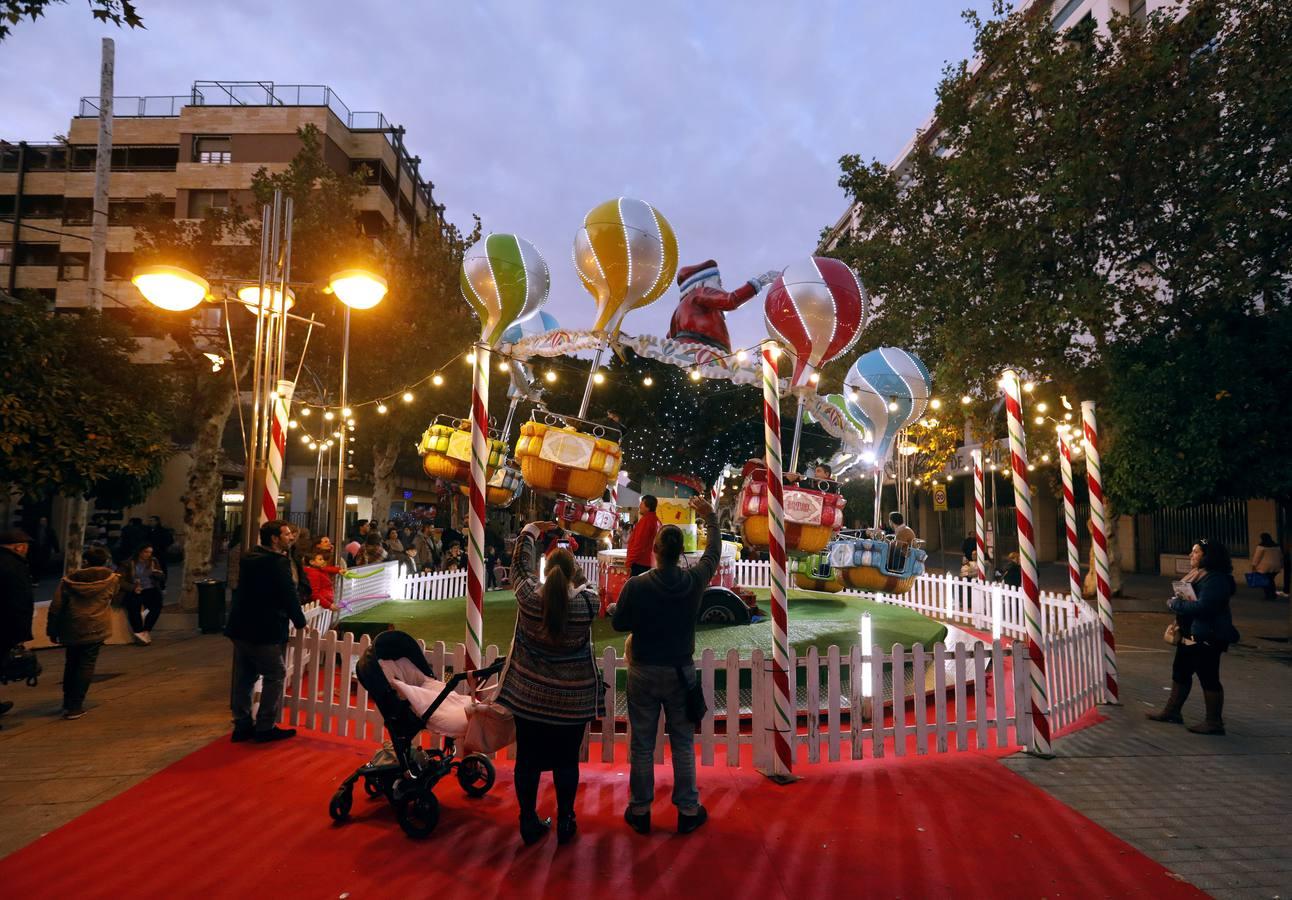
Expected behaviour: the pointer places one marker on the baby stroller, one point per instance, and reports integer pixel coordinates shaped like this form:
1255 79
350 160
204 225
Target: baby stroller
406 774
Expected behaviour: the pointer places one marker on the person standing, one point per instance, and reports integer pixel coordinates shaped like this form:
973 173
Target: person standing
161 539
660 609
267 601
80 618
297 554
16 601
642 540
1267 560
551 682
133 536
142 584
1206 629
426 549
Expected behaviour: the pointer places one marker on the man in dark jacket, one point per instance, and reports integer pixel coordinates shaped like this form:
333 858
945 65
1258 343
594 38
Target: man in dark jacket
266 601
16 601
660 608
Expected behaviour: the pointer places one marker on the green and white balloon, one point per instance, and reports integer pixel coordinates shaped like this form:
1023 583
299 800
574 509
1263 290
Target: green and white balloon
505 280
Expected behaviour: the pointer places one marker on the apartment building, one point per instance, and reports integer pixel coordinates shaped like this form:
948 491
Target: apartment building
198 151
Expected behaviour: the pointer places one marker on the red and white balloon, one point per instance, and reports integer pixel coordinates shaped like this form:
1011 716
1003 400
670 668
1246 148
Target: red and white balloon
816 308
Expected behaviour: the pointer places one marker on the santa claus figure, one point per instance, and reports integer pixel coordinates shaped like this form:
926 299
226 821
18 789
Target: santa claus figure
700 316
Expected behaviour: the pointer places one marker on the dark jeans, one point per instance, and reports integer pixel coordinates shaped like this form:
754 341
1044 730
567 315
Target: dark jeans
638 569
252 661
78 669
1198 659
650 689
150 599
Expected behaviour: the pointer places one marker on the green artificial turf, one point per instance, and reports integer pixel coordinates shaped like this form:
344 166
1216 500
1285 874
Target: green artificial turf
816 620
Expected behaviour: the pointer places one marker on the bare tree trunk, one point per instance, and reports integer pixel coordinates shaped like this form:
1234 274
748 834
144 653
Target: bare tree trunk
75 519
384 456
204 483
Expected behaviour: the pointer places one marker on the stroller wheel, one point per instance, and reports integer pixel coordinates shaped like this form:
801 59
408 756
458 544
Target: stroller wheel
418 815
372 787
476 774
339 808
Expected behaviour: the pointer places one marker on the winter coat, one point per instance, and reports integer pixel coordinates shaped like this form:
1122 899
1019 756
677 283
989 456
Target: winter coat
1267 560
1208 618
81 611
267 599
128 575
550 679
16 601
320 579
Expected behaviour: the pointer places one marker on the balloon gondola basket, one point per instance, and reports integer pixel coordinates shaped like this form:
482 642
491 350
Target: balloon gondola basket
569 456
873 561
814 573
813 511
588 519
505 485
445 449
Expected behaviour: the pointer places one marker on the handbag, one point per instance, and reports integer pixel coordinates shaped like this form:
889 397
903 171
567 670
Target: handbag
696 707
19 664
490 727
1172 634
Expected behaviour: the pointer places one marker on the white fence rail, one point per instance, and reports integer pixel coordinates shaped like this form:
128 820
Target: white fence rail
850 704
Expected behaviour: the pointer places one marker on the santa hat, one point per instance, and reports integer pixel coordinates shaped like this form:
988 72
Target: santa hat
690 277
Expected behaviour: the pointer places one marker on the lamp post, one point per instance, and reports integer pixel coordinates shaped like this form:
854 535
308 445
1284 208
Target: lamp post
270 298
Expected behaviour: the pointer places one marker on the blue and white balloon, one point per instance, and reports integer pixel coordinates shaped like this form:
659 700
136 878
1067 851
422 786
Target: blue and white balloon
886 390
539 323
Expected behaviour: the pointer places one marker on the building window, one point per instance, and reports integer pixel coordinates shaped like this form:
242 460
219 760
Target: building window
130 211
213 150
6 254
201 203
78 210
371 222
162 158
83 156
8 203
371 169
72 266
37 254
119 266
9 159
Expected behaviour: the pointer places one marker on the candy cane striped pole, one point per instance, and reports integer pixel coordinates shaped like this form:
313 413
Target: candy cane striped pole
784 718
1027 561
1070 517
277 451
475 552
1099 535
979 515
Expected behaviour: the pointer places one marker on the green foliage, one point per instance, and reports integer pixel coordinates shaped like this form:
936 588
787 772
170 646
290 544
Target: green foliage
1198 413
118 12
76 415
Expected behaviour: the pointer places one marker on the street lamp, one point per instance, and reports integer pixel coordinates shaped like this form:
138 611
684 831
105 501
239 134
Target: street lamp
356 289
170 287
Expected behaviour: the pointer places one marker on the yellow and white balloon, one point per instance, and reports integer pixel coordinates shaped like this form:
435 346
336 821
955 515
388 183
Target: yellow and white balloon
626 256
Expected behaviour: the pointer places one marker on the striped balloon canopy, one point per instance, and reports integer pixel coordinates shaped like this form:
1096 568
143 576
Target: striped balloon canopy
817 308
626 256
887 390
540 323
504 279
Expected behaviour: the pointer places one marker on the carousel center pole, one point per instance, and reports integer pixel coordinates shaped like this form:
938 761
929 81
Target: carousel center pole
475 550
1040 732
592 373
784 718
1099 534
798 434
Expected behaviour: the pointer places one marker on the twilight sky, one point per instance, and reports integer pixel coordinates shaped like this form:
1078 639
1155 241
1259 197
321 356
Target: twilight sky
728 117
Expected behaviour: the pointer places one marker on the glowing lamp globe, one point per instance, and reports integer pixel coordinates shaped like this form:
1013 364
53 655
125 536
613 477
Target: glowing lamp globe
505 280
170 287
626 256
273 299
357 288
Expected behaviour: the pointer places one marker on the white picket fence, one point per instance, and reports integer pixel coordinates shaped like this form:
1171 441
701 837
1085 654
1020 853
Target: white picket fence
948 698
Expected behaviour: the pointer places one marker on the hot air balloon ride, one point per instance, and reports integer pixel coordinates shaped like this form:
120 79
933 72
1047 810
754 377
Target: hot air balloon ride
815 309
887 390
506 281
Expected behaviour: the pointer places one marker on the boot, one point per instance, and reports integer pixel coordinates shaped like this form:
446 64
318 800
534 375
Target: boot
565 827
532 828
1174 703
1215 724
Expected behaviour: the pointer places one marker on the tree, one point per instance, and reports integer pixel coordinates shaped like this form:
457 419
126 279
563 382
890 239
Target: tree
118 12
1080 190
76 415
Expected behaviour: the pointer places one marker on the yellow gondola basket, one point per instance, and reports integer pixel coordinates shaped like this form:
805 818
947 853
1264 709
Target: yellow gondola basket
505 485
445 448
568 456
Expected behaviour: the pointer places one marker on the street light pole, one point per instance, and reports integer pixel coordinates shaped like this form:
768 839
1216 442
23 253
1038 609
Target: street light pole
341 456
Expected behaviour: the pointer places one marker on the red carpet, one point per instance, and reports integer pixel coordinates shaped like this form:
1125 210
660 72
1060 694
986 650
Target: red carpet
251 821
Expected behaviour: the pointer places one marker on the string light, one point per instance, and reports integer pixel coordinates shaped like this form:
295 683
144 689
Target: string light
966 400
1045 457
305 411
381 408
695 374
336 434
550 376
329 415
648 381
1039 420
347 413
1042 406
598 378
313 446
741 356
408 396
935 403
1028 387
471 358
1067 417
892 406
305 438
437 379
292 423
503 366
815 377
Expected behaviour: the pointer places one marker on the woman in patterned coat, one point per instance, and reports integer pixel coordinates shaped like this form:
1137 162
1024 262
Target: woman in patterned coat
551 683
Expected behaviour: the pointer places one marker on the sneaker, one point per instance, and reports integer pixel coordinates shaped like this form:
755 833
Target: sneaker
244 733
5 706
638 822
687 824
70 714
139 638
274 734
146 637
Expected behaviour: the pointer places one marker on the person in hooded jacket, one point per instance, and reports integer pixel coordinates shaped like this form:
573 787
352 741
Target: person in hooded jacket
660 607
1206 631
80 618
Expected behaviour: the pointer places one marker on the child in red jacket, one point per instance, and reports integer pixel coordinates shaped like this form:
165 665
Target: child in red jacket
320 575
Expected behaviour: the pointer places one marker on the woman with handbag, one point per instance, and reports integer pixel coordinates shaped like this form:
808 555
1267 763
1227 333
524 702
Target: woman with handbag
551 683
1203 630
1267 560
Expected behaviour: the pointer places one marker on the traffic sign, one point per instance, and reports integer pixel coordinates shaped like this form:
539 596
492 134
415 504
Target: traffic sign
940 498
